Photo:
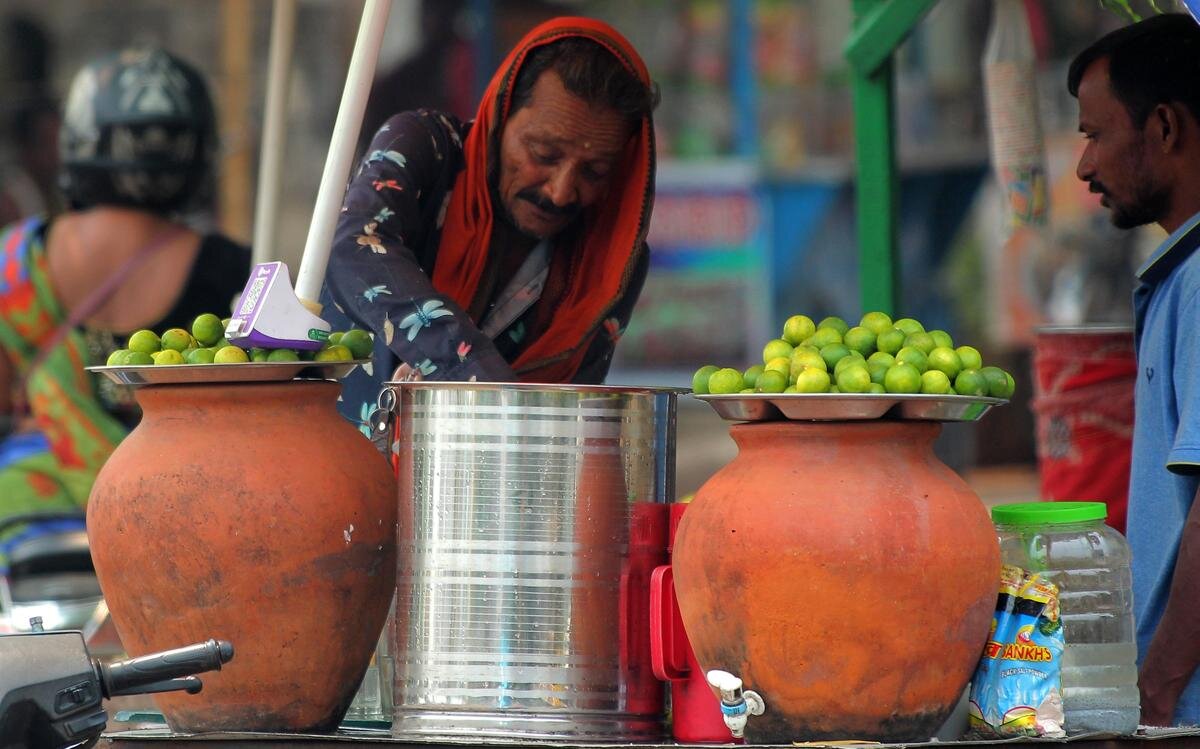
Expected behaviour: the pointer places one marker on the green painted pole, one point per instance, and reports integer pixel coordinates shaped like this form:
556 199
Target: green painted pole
876 190
879 27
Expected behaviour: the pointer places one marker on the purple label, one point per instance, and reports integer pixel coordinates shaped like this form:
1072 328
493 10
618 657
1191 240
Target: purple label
261 278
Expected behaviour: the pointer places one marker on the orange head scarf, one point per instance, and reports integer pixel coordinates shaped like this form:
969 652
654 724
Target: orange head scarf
615 227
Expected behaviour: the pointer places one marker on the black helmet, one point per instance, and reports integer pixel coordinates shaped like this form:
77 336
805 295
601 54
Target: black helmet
138 130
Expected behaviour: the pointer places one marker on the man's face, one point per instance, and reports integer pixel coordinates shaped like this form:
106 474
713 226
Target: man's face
1118 160
557 157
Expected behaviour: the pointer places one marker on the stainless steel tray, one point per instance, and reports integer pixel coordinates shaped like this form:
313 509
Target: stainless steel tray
201 374
848 407
944 407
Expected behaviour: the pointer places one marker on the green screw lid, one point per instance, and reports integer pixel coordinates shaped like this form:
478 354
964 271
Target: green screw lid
1043 513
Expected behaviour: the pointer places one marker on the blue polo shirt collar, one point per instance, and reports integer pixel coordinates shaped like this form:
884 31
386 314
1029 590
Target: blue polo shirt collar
1173 251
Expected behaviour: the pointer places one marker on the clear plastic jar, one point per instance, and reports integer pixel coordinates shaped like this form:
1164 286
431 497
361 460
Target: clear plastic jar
1089 562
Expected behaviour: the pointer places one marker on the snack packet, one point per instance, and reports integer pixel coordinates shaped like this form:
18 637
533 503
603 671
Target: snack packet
1017 689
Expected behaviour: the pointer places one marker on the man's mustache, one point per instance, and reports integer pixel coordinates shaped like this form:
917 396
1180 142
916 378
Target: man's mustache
532 196
1097 188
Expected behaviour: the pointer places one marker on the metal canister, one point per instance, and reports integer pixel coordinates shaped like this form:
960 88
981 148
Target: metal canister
532 517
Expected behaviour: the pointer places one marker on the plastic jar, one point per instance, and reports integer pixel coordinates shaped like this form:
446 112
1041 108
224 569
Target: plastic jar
1089 562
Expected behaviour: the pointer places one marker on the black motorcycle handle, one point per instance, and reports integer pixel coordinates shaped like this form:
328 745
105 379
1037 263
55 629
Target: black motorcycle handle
172 669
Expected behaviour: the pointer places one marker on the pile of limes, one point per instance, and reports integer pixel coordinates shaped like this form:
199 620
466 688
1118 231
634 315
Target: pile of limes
878 355
206 344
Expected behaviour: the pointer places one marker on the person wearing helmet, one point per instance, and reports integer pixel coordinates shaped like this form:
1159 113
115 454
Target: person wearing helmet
137 147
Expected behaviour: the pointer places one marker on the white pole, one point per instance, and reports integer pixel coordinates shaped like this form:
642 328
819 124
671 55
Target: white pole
341 151
274 137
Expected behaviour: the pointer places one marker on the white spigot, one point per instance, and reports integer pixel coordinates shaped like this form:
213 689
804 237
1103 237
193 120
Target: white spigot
737 705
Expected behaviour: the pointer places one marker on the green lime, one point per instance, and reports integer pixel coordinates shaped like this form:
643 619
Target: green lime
812 380
334 338
909 326
772 381
176 339
881 357
359 342
942 338
854 379
207 329
117 358
848 360
998 382
220 344
259 354
833 353
283 355
890 341
970 382
935 382
860 339
922 341
750 376
139 359
700 378
201 355
876 322
902 377
878 370
945 360
725 381
834 389
780 364
798 327
168 356
747 391
913 356
146 341
775 348
834 322
823 337
876 388
338 352
970 357
790 389
805 356
230 355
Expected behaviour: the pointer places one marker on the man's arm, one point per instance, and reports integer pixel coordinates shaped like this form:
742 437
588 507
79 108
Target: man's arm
1174 652
374 274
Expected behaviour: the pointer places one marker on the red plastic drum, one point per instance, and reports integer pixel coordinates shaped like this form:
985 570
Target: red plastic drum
1083 401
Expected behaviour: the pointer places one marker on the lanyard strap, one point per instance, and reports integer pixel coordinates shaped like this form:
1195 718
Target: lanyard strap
93 302
521 292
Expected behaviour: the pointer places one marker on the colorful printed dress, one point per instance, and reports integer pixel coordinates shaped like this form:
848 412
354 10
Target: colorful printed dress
51 467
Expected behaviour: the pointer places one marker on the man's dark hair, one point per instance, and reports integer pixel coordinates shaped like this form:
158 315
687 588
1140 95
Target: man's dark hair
591 72
1151 62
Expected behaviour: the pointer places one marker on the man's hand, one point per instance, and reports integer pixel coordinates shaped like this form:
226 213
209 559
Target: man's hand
1158 704
1174 651
405 373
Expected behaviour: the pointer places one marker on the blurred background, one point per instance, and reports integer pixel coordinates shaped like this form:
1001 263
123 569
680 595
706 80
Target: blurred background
755 215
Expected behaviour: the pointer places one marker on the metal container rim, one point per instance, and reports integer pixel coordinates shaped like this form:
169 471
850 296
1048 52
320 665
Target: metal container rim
1098 329
530 387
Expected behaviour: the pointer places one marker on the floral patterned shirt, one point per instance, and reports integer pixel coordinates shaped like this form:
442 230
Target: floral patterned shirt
380 271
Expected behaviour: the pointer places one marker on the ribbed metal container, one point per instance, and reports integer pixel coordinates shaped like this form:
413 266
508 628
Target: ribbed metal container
531 519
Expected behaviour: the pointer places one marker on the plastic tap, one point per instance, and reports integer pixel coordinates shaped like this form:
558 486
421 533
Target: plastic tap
737 705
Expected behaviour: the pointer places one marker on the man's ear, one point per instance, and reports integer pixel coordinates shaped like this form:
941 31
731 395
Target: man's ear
1165 121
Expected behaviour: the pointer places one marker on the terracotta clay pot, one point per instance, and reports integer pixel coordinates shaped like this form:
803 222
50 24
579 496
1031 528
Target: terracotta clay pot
251 513
844 573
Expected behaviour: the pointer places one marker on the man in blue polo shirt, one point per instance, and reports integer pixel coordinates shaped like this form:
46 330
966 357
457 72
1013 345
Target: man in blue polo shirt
1139 109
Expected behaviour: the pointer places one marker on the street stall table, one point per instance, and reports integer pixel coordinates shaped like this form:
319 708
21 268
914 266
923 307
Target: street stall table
160 738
